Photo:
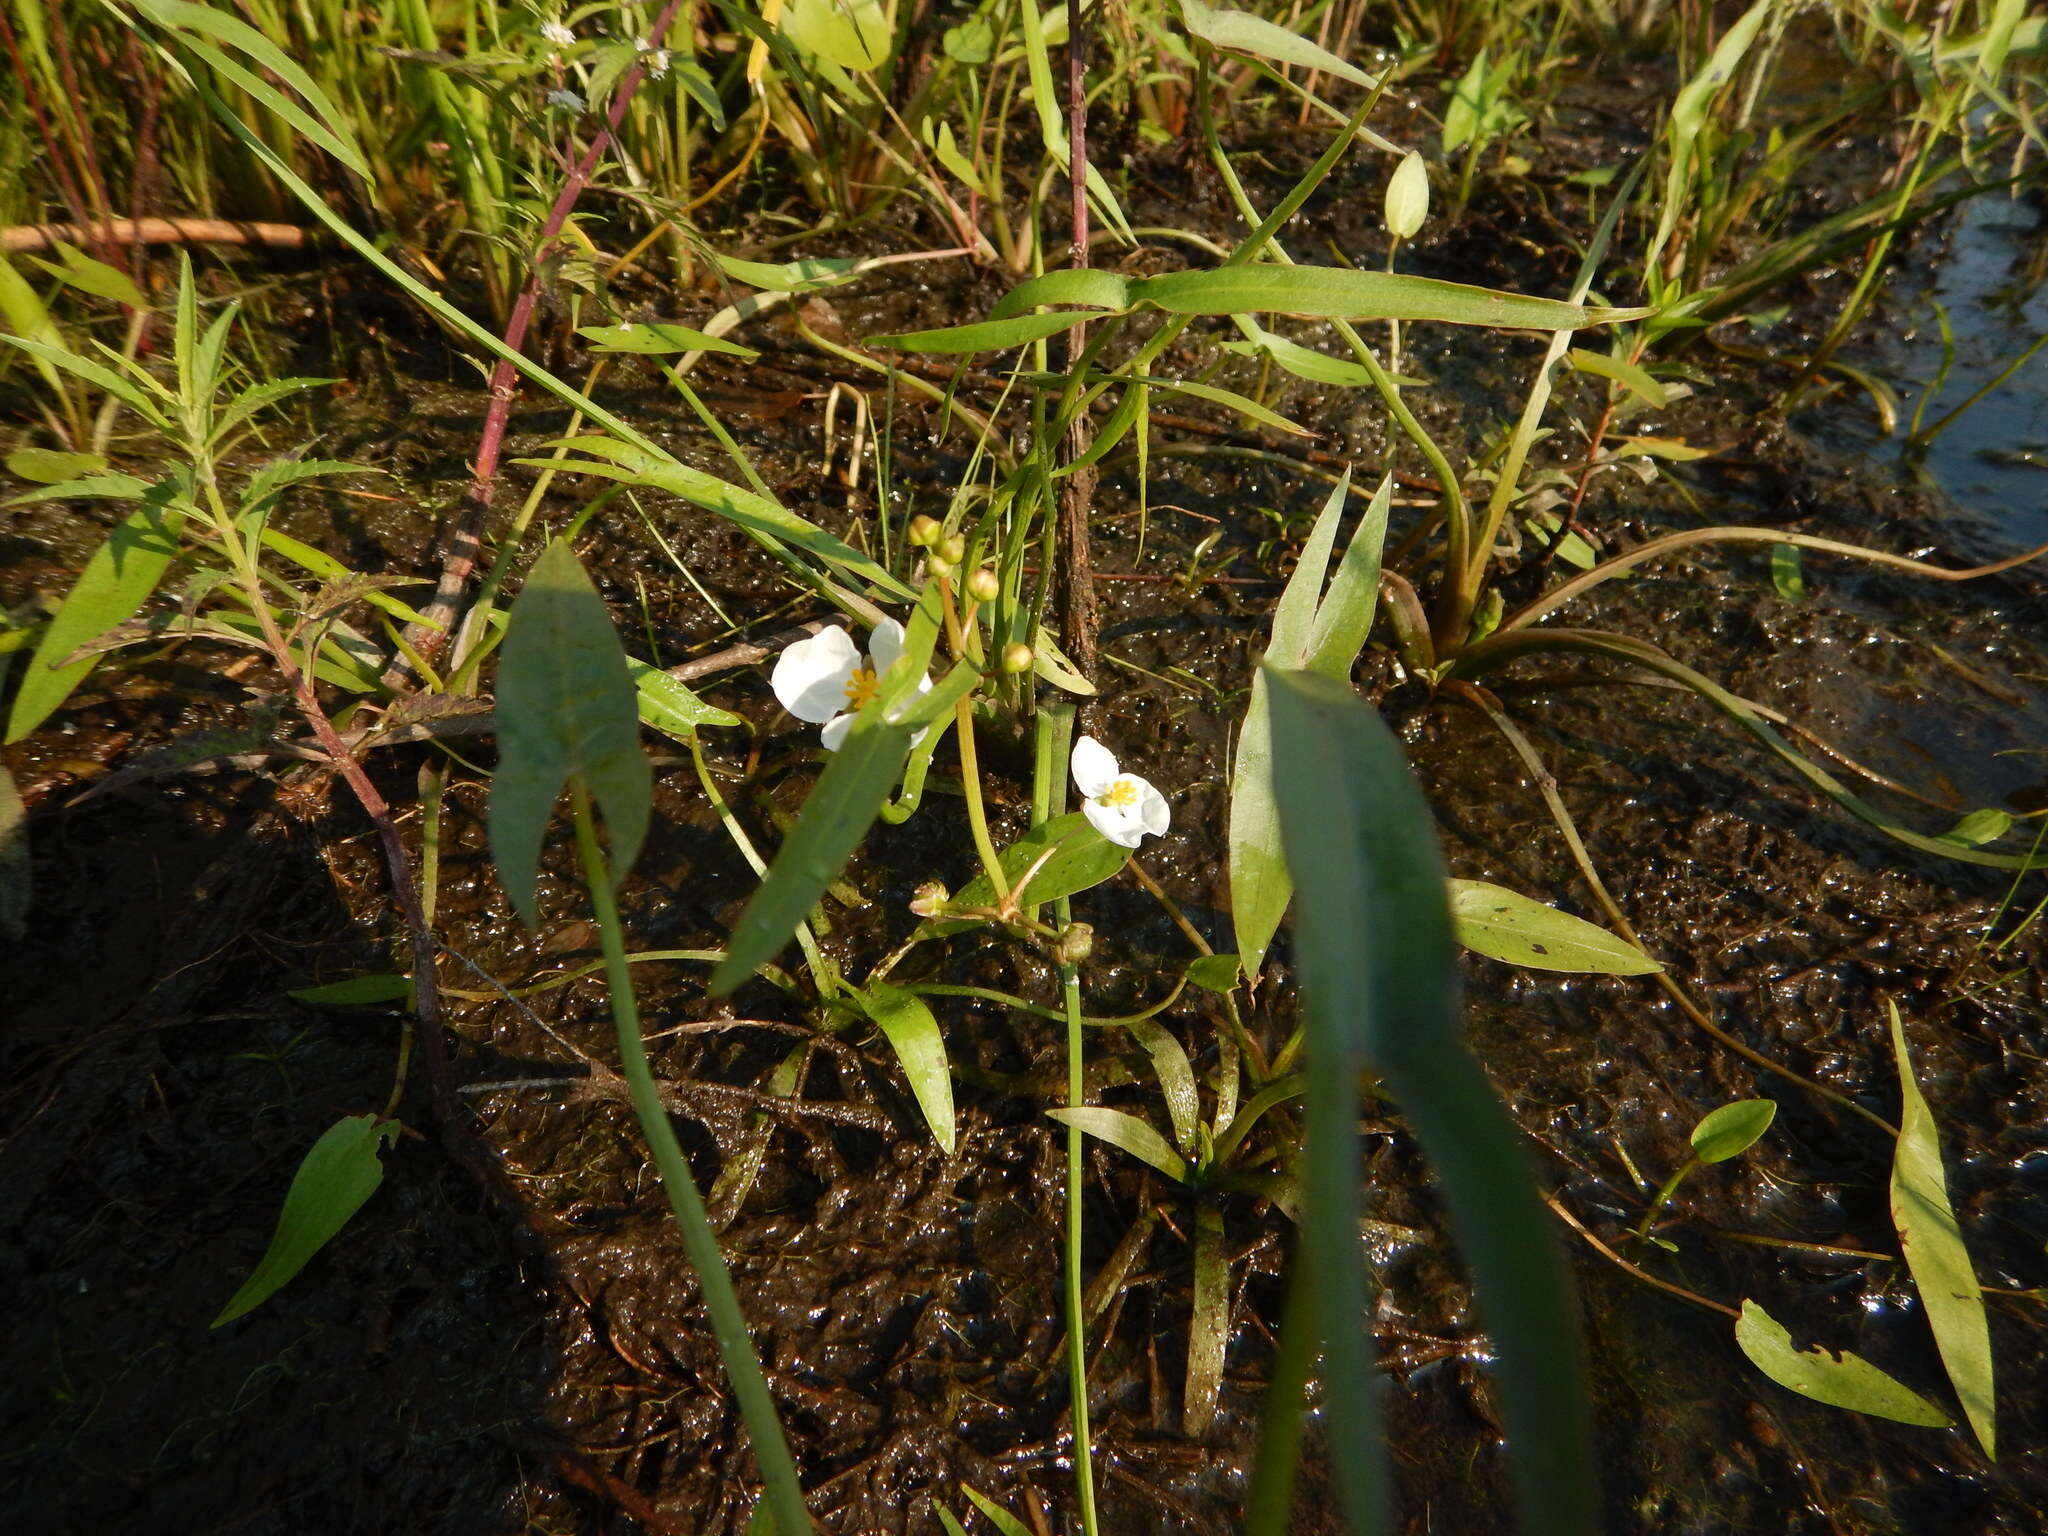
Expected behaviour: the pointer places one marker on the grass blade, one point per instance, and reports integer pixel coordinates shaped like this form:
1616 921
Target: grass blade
1343 293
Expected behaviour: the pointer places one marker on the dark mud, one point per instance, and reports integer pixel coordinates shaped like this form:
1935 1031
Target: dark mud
449 1365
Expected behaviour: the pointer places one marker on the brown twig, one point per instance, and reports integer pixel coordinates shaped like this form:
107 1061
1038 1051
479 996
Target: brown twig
40 237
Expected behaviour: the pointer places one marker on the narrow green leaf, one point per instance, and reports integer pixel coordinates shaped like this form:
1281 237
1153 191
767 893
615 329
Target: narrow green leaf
801 276
841 807
1176 1076
854 34
1005 1523
75 269
1732 1129
565 705
1842 1380
100 377
1128 1133
1209 1327
46 466
115 583
1293 357
1626 374
341 1171
981 336
1373 932
1344 293
1344 616
913 1034
1089 287
657 339
92 488
356 992
1935 1253
1788 573
1984 825
947 1518
1243 32
1501 924
669 706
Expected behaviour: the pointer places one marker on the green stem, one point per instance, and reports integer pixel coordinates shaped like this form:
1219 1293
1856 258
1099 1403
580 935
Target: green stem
784 1494
977 816
1664 1194
1076 1302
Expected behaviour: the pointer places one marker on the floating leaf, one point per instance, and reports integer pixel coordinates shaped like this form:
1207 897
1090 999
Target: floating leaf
116 582
1373 933
913 1034
1129 1133
1501 924
356 992
341 1171
1935 1253
1732 1129
1842 1381
1986 825
565 706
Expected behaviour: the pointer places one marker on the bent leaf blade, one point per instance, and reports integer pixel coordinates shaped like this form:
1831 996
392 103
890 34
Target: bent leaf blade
1846 1380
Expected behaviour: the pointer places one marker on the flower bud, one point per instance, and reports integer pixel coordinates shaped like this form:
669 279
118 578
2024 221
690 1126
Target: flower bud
1407 202
939 565
1075 943
953 549
1017 658
983 586
924 531
931 899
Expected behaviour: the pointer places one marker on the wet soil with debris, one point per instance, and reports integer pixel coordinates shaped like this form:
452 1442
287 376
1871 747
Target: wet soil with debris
462 1362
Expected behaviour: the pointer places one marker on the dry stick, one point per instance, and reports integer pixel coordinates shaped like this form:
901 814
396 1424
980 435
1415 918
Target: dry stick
139 231
1547 787
437 620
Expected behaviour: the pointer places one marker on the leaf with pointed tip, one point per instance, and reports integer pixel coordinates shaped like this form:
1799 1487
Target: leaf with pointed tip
565 705
1732 1129
1129 1133
1842 1380
913 1034
1504 925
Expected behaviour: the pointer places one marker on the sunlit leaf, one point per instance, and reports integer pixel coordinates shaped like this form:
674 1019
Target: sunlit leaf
1215 973
669 706
1128 1133
1246 33
1209 1327
913 1034
1732 1129
981 336
1499 923
1005 1523
565 705
46 466
1379 978
1082 857
115 583
1935 1253
854 34
801 276
841 807
1842 1380
657 339
1345 293
341 1171
1626 374
77 270
1984 825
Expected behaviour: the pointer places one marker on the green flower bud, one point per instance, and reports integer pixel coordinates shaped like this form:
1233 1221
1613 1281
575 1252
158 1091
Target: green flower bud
1075 943
1017 658
1408 197
983 587
924 531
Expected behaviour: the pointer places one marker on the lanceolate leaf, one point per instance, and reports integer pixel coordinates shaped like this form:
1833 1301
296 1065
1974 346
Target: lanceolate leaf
1128 1132
1344 293
1246 33
1373 929
913 1034
1501 924
1843 1381
1081 857
981 336
1933 1245
115 583
1732 1129
669 706
340 1172
842 805
565 705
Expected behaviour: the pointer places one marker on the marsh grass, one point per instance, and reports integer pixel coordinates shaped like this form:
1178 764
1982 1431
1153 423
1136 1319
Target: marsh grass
481 161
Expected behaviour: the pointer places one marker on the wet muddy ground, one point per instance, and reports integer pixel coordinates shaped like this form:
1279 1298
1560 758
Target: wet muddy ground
459 1363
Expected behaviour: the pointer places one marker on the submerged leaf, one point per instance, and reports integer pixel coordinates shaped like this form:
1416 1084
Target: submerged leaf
1843 1381
341 1171
1935 1253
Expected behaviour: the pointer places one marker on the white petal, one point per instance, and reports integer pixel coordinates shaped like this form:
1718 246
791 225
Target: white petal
1152 811
1094 771
885 645
810 677
1118 823
835 731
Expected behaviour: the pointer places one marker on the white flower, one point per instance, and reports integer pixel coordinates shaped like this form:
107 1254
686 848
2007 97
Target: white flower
657 63
642 45
1121 806
557 34
824 680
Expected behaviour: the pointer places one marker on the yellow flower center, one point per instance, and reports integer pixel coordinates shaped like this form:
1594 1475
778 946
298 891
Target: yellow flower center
862 687
1121 795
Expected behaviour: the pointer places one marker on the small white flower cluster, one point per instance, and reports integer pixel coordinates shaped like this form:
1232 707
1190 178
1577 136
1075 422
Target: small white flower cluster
557 34
657 58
